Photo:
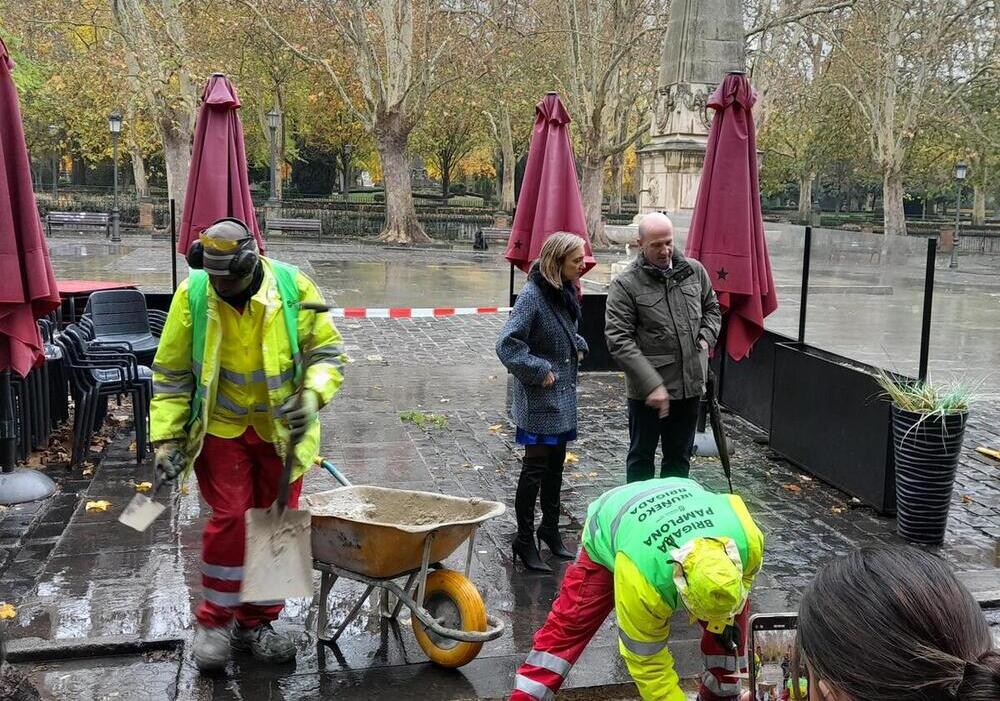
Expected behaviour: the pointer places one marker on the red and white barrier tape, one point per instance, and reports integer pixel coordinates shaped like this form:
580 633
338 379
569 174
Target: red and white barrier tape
411 312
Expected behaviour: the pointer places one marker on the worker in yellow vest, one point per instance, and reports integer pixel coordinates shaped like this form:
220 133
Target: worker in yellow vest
235 349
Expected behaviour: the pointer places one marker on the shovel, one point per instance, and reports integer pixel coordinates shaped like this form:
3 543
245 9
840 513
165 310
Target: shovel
277 562
142 511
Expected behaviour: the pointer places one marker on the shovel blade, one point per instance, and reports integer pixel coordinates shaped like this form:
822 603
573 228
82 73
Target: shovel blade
141 512
277 561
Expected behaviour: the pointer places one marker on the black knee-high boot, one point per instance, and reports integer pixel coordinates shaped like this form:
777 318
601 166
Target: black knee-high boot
533 468
551 488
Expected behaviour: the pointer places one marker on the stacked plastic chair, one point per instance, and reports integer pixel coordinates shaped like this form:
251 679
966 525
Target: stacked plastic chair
99 370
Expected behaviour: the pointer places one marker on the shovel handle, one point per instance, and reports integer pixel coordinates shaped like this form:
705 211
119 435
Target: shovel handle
286 474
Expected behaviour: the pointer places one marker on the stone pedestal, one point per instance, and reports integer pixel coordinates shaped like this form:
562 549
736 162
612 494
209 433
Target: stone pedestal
670 171
704 42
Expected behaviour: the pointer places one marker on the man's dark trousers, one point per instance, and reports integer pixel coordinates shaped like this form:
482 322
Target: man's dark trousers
674 432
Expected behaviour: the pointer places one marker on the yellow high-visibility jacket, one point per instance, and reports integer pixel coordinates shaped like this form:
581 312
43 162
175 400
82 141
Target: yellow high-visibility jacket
176 375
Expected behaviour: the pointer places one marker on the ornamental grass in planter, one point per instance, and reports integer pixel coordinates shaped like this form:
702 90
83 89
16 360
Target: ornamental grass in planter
928 425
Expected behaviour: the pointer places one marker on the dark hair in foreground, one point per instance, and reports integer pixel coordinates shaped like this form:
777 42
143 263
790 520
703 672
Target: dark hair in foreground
894 624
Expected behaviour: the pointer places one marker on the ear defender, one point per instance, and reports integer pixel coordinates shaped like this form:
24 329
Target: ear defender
243 261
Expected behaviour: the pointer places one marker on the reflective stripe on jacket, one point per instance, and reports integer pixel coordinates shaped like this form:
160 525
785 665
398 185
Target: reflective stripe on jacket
175 375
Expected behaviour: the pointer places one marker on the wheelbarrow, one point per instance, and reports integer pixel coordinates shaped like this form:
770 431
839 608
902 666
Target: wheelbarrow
376 535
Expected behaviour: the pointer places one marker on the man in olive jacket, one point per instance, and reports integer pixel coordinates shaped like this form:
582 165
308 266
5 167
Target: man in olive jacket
662 318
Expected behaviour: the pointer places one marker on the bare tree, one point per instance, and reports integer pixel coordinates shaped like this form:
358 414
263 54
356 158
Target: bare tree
897 61
393 51
606 75
157 55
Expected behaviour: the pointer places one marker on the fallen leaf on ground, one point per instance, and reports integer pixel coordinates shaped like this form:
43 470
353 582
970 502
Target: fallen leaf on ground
794 488
591 474
143 486
805 478
966 499
7 611
99 505
88 469
131 447
184 489
495 428
572 458
837 509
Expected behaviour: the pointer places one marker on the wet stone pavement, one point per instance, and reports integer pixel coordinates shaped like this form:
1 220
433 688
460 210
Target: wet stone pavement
104 612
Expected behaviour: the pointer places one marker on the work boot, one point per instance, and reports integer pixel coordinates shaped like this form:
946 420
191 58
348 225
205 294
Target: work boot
532 469
550 500
266 644
210 648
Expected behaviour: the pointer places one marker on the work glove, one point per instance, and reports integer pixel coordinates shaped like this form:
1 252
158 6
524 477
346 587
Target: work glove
170 461
300 411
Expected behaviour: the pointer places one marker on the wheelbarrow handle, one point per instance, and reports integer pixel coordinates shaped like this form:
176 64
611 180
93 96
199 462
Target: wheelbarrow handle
332 469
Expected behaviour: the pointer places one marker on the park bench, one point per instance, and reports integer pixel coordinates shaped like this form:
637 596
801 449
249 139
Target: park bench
873 250
494 235
78 221
295 225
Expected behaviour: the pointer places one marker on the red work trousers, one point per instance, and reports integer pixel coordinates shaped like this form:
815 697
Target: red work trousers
235 474
586 597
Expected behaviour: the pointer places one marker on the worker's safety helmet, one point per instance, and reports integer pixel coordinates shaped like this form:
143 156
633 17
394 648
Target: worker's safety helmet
708 574
227 247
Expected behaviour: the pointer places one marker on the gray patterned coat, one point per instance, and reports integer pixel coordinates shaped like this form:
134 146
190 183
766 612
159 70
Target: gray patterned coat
541 336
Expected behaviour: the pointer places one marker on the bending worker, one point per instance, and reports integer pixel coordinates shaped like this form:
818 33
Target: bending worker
234 350
649 547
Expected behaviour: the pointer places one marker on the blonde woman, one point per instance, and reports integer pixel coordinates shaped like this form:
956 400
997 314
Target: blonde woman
540 346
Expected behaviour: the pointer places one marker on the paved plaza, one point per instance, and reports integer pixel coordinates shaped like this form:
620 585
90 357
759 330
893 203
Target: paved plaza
87 587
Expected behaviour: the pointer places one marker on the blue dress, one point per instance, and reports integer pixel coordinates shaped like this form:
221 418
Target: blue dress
527 438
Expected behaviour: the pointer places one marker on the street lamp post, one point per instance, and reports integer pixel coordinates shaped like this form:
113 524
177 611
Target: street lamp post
961 170
53 131
274 122
115 127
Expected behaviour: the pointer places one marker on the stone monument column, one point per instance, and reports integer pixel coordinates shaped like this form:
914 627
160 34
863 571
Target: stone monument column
704 42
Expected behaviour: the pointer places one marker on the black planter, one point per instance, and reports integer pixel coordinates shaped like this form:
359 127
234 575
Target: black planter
829 419
747 386
927 450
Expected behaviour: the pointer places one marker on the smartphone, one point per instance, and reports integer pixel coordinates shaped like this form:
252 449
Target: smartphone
772 639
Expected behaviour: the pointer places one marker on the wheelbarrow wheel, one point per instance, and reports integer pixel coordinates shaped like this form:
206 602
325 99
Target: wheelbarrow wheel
453 601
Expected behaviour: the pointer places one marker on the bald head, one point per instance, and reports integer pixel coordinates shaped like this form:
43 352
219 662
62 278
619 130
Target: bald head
656 239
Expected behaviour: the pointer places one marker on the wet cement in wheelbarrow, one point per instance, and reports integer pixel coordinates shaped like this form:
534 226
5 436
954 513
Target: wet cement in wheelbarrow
394 507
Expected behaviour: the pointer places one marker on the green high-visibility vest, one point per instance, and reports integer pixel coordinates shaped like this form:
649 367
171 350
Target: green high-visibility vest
285 277
649 520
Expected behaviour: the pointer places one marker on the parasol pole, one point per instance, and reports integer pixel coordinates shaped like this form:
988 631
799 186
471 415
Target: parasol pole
173 245
510 296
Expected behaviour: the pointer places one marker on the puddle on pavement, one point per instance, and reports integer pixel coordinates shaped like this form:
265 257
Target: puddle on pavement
85 250
384 284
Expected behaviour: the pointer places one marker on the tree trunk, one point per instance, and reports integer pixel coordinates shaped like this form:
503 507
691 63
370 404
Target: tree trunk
509 162
592 192
139 171
445 162
617 173
805 196
893 216
978 205
176 138
346 171
401 225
